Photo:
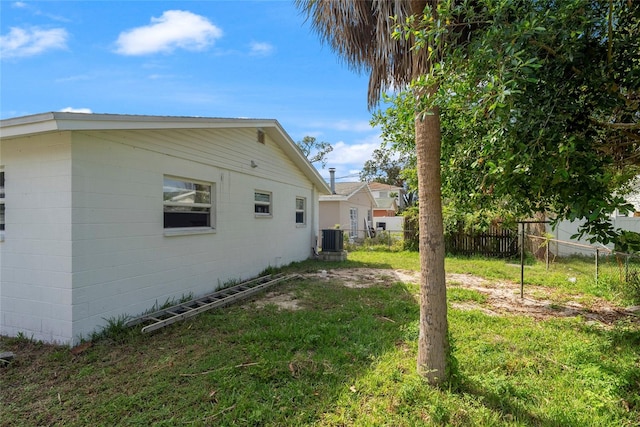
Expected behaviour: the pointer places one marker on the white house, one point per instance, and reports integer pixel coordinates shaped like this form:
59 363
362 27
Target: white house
634 196
566 229
107 215
388 201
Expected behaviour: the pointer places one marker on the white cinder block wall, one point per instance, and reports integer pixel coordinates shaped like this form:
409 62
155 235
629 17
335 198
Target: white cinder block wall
99 250
124 263
565 229
37 251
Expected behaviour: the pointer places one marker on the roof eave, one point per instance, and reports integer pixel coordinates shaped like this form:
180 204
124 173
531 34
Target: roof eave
63 121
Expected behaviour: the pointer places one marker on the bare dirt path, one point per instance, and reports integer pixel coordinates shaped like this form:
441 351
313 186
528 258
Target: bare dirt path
501 297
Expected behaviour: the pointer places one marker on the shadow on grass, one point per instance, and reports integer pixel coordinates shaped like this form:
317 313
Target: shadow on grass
255 364
244 365
606 365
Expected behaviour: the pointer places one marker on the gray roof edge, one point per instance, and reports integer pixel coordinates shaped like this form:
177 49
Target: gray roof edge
67 121
94 121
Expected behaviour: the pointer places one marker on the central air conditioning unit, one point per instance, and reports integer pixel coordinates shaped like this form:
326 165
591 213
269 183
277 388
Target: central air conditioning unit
332 241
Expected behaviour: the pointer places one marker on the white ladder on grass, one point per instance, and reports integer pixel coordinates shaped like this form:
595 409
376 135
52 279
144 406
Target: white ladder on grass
221 298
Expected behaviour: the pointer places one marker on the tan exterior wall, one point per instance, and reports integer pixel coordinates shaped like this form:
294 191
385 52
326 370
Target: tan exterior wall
339 212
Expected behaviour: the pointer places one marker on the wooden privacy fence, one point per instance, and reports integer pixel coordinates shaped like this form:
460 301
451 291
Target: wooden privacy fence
496 241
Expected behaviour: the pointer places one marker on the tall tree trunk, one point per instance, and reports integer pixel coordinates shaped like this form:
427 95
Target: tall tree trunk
538 246
433 344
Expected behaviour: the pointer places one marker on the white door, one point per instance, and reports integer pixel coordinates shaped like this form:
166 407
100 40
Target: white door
353 216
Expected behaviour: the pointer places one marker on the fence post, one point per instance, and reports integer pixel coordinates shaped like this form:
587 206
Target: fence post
626 267
522 262
597 259
547 253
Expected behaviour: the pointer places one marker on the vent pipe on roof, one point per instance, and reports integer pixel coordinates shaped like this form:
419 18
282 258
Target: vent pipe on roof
332 180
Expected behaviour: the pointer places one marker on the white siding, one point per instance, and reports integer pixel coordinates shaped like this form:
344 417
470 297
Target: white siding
393 223
123 261
565 229
36 252
85 241
634 196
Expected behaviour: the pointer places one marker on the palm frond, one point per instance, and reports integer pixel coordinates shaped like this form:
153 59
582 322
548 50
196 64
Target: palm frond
361 33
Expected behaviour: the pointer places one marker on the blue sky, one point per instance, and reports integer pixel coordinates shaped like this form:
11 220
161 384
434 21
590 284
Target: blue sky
256 59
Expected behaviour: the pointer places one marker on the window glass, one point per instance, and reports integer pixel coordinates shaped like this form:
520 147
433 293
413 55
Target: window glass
186 203
262 203
300 210
186 192
263 197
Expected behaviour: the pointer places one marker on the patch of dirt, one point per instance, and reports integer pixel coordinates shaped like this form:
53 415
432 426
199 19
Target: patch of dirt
366 277
282 301
502 297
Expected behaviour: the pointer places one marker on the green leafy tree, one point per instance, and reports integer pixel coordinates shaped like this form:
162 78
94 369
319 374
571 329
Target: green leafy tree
314 150
385 166
539 110
491 71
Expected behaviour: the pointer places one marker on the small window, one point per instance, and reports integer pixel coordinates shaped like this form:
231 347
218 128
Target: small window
300 210
187 204
1 199
262 203
260 136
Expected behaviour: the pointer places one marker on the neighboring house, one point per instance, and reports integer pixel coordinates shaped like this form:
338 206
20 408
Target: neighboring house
350 207
634 196
104 216
566 229
388 199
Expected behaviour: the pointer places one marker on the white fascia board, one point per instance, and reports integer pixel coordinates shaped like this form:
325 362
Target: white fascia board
60 121
334 198
28 125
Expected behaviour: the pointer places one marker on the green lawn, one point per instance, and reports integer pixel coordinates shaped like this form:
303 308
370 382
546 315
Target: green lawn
345 357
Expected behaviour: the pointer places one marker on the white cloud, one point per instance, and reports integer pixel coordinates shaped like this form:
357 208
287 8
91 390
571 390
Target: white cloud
21 42
35 11
352 126
76 110
76 78
174 29
346 125
351 154
160 76
261 49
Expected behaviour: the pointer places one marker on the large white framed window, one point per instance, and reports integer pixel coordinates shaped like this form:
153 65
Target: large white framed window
262 203
301 211
187 203
1 198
